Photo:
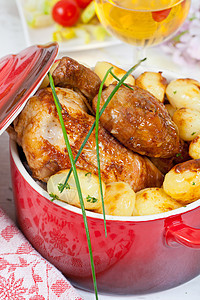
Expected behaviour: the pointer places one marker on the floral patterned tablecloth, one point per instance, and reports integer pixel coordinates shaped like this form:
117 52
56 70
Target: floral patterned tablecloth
24 273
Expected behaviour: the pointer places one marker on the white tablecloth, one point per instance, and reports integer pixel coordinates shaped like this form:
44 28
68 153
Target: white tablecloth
12 41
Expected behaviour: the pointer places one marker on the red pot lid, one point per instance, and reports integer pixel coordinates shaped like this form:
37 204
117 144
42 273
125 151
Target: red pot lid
20 76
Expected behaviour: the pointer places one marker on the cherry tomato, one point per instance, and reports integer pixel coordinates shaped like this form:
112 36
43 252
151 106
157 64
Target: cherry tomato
160 15
83 3
66 12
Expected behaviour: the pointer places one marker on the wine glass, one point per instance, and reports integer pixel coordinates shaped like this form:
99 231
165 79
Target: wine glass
142 23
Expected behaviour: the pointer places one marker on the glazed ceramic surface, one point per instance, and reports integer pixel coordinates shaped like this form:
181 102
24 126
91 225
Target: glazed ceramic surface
139 255
20 76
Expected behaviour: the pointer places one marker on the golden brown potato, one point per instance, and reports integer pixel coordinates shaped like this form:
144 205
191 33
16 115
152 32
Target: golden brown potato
45 81
188 122
154 83
194 148
89 186
102 67
182 182
153 201
171 110
119 199
184 93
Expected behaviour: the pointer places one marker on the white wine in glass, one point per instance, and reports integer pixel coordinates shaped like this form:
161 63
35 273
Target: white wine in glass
142 22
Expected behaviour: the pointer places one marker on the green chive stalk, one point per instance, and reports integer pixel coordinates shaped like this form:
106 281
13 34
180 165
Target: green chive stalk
128 86
97 144
73 161
59 110
121 81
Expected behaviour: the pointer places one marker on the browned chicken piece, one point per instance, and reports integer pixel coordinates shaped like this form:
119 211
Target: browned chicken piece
163 164
166 164
183 153
136 118
39 133
69 73
139 121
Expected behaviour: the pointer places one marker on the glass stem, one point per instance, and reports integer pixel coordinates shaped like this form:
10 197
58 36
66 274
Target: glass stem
140 54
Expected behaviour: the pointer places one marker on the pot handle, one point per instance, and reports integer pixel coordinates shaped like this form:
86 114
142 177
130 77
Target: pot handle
184 235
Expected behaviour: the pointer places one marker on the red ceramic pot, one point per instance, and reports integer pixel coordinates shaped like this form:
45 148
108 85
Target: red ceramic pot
140 255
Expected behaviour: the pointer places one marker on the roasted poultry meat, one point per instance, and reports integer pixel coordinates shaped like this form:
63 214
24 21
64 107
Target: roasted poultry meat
39 133
37 129
135 117
69 73
142 123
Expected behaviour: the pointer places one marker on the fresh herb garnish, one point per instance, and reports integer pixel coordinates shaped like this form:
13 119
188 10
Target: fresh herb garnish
128 86
102 110
121 81
91 199
174 92
179 155
59 110
193 183
88 173
54 197
97 143
193 133
65 186
73 161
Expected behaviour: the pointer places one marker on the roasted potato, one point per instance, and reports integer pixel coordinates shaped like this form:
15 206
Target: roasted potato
171 110
102 67
194 148
188 122
154 83
184 93
182 182
153 201
45 81
89 186
119 199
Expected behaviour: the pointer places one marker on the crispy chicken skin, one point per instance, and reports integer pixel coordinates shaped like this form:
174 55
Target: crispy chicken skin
69 73
140 122
39 133
135 117
166 164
